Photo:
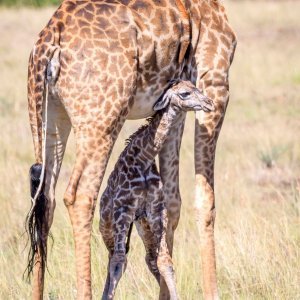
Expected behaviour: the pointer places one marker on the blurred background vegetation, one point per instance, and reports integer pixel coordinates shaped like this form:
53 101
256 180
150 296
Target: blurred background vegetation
29 3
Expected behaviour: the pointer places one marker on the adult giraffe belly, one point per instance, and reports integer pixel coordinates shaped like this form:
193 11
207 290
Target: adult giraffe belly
143 103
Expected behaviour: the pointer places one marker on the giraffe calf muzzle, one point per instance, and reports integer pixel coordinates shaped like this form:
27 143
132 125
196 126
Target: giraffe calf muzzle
197 102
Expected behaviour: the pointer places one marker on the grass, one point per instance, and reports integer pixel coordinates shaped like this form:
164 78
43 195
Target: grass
257 171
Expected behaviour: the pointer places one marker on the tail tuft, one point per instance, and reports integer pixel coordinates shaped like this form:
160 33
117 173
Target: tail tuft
36 223
35 174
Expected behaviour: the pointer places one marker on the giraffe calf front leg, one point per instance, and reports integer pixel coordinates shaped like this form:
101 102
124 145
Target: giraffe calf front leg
122 224
117 266
109 242
107 281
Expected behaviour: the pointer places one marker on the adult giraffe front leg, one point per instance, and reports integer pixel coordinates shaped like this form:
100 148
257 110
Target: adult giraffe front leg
93 151
169 170
213 57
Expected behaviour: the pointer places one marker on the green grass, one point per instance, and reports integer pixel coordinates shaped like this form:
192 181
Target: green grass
258 208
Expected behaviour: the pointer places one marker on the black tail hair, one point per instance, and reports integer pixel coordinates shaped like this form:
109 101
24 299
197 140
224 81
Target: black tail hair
36 221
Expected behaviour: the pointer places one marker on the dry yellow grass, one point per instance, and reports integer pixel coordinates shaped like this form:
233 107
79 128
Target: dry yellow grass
258 208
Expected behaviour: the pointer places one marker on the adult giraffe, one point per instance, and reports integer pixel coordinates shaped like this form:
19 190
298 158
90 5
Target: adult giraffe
97 63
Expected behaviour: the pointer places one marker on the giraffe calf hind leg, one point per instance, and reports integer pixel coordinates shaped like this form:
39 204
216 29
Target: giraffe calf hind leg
164 259
166 270
165 266
151 261
151 246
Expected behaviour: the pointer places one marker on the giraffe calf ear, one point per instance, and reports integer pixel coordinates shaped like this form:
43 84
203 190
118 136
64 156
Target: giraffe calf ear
162 102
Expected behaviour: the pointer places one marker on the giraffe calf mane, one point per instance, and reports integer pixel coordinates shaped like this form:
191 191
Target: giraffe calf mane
140 130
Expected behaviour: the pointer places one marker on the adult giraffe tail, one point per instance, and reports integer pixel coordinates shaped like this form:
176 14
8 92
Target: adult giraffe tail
43 70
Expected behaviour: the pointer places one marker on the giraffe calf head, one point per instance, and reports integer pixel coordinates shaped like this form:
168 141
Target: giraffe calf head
185 96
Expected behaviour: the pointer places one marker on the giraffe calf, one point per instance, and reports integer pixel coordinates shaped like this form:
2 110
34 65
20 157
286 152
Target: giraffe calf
134 193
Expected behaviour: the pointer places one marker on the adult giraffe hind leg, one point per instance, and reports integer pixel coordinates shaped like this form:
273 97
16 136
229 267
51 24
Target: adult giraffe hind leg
44 106
58 129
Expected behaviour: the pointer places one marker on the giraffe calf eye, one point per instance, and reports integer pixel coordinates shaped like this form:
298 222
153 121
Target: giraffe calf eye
184 95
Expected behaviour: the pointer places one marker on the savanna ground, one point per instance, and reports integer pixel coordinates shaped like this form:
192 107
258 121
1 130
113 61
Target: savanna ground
257 171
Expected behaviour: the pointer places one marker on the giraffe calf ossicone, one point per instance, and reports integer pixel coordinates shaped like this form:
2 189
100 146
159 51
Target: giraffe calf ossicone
134 193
